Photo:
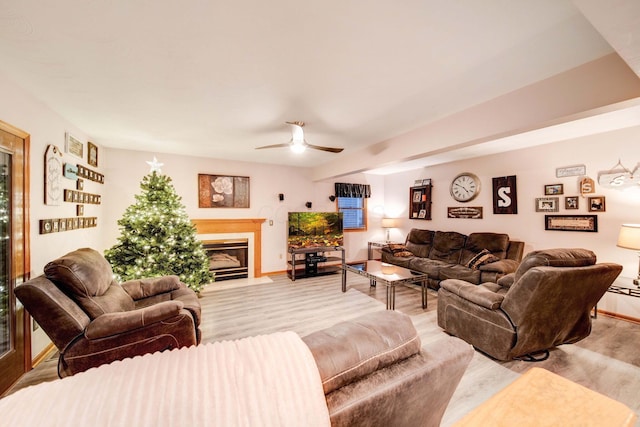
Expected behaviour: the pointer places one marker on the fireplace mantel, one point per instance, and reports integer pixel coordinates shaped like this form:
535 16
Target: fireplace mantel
240 225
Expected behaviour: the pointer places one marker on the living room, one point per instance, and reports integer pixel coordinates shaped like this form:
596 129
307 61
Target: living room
602 148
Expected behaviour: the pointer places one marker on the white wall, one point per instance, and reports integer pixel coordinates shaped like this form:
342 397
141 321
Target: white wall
127 168
535 167
22 110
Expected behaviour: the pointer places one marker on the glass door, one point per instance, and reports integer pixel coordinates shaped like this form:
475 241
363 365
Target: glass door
15 336
5 255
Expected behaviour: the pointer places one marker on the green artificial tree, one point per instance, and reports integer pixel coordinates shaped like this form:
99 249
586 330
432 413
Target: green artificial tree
158 239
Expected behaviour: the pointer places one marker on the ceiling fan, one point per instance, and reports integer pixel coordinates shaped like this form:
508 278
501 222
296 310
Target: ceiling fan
298 143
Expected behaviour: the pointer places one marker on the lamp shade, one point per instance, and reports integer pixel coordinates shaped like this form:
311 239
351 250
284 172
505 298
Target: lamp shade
389 223
629 237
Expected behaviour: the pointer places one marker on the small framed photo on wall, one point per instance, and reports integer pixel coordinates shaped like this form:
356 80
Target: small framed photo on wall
553 189
571 202
596 204
92 154
547 204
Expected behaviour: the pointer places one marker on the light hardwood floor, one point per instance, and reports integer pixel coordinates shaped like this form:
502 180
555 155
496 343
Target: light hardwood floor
607 361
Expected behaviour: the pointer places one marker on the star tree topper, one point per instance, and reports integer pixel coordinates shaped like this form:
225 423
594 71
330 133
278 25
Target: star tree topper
155 165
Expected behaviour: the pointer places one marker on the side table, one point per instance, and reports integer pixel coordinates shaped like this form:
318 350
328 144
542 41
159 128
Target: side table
620 290
373 245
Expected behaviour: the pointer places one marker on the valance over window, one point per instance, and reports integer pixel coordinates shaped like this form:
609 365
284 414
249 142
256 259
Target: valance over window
352 190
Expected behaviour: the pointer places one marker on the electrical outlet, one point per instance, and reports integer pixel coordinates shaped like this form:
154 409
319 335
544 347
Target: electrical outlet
271 222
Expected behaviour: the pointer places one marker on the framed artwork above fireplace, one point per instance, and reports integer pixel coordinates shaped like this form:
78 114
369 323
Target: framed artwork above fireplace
223 191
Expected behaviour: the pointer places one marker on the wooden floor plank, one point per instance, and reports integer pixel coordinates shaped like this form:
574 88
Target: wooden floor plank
607 361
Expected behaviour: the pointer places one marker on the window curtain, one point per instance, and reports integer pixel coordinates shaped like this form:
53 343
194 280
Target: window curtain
352 190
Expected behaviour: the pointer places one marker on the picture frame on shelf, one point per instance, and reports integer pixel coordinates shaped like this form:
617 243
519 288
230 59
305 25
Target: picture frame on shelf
417 196
596 204
571 202
553 189
422 213
547 204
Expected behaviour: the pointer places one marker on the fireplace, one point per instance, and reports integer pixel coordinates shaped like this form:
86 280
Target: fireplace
237 228
228 258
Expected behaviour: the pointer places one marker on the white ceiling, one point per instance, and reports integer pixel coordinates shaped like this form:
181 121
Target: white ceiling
218 79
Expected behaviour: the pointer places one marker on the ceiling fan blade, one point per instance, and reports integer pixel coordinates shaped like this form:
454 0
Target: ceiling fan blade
329 149
286 144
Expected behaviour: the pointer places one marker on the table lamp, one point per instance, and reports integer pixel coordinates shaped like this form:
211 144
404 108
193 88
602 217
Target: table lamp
629 238
387 224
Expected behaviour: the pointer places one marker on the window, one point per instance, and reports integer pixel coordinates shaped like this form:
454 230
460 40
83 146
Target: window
354 213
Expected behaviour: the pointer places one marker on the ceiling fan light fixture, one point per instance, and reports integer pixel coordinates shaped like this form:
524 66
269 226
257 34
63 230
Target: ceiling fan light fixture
297 147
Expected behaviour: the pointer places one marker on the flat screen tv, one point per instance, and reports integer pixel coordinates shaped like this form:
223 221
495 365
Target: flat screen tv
315 229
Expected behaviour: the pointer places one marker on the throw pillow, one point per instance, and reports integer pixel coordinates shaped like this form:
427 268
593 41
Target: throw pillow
399 250
481 258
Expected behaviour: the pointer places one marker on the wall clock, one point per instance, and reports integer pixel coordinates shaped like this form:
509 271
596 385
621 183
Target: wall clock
465 187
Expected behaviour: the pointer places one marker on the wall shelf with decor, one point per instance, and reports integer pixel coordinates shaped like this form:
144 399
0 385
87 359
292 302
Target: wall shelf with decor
420 202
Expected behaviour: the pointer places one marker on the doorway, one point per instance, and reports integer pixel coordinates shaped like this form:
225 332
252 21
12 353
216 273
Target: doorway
15 336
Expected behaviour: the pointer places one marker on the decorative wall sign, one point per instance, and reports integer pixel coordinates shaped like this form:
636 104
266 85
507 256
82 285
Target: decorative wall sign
81 197
571 222
52 175
91 175
547 204
619 177
587 186
92 154
66 224
74 146
220 191
505 197
576 170
469 212
70 171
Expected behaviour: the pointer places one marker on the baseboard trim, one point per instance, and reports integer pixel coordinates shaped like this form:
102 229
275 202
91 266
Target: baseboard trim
619 316
43 355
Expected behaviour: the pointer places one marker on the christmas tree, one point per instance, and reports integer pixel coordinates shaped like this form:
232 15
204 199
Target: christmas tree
157 237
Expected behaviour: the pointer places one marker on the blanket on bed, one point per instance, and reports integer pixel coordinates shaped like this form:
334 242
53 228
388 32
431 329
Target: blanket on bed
268 380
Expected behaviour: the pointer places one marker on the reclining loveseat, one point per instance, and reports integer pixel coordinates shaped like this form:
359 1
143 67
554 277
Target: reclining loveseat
475 258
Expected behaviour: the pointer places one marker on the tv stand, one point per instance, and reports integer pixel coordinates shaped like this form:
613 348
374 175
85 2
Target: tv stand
314 261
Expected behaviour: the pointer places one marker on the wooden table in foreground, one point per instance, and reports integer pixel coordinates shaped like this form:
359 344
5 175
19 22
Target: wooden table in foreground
388 274
541 398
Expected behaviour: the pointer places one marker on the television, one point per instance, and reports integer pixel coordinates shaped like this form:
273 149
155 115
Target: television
315 229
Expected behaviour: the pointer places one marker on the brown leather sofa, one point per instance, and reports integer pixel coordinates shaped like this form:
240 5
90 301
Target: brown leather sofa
545 303
475 258
375 371
94 320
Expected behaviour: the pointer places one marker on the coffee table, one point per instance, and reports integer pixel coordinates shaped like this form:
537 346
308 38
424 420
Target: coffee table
388 274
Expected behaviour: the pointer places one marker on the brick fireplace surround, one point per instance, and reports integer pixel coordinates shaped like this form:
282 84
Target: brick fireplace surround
244 225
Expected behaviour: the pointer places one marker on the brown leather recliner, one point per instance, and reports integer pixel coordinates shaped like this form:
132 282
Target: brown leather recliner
545 303
376 372
94 320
